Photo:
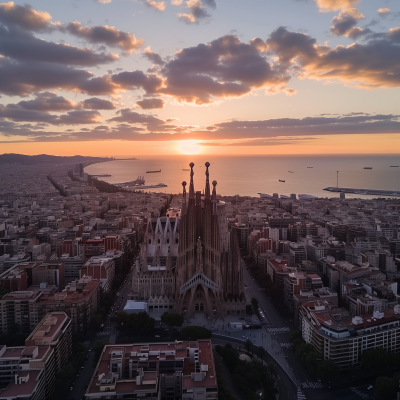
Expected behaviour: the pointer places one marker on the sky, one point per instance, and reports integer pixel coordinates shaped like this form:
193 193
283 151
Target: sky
150 77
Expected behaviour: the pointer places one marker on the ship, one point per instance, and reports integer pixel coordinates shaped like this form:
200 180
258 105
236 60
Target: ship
291 172
310 167
306 196
394 166
281 180
152 172
265 195
185 169
367 167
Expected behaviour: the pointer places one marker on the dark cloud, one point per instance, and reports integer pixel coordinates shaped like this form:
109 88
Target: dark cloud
197 11
47 101
105 34
226 67
21 79
373 64
345 21
25 17
23 46
137 79
16 113
79 117
148 104
98 104
132 117
153 57
139 127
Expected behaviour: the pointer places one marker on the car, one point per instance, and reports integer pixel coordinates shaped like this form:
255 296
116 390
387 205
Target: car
71 388
157 336
90 349
369 387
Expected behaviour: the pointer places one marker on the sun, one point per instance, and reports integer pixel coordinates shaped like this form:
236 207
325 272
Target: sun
189 147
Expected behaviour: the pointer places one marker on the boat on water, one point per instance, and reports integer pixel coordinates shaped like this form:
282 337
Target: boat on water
306 196
394 166
265 195
367 167
291 172
152 172
185 169
281 180
310 167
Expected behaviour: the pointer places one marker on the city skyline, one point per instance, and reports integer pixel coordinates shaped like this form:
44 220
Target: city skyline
289 77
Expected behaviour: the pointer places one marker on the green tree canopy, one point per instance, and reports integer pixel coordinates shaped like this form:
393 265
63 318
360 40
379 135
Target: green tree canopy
172 319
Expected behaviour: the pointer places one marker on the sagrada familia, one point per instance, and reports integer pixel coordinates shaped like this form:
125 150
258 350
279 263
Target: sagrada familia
191 263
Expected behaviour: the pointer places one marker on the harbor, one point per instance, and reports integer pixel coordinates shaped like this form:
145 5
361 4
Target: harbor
370 192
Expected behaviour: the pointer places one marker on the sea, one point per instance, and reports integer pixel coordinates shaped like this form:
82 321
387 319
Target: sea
250 175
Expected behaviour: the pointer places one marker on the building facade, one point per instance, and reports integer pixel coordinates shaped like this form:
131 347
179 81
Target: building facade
192 263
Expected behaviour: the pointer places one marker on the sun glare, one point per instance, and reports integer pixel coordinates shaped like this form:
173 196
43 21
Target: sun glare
189 147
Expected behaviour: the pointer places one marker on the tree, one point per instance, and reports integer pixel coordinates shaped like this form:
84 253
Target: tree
195 332
261 352
386 388
98 347
248 345
172 319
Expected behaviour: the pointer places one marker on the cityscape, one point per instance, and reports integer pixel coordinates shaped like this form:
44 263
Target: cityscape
143 293
199 200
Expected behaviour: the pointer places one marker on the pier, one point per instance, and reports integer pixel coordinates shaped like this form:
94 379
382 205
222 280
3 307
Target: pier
369 192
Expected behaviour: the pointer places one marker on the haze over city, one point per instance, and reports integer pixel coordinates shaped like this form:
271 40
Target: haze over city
112 77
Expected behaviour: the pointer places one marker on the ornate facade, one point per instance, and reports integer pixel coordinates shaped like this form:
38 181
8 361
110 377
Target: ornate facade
192 263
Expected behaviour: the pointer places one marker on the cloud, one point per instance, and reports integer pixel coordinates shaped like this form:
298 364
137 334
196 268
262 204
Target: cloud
23 46
132 117
103 1
17 113
24 17
373 64
224 68
148 104
383 11
105 34
197 11
345 21
133 126
333 5
24 78
98 104
176 2
156 5
137 79
47 101
153 57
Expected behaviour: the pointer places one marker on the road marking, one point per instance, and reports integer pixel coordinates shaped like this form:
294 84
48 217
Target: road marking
278 330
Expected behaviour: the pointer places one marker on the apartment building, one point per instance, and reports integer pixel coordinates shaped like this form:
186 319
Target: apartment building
102 268
54 330
155 371
337 336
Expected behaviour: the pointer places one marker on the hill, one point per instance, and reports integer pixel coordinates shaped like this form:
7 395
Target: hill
47 159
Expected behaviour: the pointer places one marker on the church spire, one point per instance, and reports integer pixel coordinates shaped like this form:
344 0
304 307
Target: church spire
214 193
207 195
191 187
183 208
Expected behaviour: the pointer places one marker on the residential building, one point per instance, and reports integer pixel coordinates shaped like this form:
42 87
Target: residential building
155 371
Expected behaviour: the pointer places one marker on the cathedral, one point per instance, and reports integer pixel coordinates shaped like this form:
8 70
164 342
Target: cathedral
190 263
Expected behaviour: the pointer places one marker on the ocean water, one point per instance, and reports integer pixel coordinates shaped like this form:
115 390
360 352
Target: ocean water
249 175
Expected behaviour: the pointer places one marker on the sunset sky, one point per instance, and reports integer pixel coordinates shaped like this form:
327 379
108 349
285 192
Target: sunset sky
132 77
